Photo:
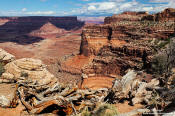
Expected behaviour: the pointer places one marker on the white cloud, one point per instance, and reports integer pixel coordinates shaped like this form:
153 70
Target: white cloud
86 0
25 13
24 9
43 0
102 6
159 1
118 6
117 0
148 8
92 7
41 13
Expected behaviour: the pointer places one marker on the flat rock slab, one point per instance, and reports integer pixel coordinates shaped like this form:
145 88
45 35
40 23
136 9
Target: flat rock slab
95 83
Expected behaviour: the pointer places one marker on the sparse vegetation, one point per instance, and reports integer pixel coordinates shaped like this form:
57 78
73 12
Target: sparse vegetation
164 61
2 70
101 110
24 74
159 64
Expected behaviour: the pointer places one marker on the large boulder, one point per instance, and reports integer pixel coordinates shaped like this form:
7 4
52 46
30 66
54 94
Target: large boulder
5 56
30 68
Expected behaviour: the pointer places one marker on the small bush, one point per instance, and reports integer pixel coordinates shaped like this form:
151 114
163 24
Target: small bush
101 110
106 110
85 112
2 70
164 61
24 74
159 64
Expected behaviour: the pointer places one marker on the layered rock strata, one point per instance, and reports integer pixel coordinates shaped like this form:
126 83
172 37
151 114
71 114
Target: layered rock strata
32 69
123 44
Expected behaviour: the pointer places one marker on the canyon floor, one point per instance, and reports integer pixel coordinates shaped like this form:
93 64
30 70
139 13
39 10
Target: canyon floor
49 49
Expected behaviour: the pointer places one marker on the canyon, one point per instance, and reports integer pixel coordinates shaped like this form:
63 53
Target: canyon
124 41
87 63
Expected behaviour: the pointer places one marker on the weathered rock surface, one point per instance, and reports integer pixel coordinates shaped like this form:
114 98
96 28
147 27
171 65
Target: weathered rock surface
5 56
31 69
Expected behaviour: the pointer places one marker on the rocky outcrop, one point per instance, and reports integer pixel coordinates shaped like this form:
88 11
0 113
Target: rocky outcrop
28 68
47 29
5 57
167 15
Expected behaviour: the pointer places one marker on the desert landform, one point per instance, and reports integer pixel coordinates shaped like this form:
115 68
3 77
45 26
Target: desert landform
58 66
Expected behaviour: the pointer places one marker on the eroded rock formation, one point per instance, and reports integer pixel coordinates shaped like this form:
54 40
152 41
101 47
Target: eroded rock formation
166 15
47 29
28 68
123 44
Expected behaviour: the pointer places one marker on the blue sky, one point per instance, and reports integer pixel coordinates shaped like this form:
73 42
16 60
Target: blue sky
79 7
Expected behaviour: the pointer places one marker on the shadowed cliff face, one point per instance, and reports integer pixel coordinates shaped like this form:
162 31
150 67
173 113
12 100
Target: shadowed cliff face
17 29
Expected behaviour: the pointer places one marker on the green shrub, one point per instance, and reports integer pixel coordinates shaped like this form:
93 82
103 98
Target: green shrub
24 74
2 70
159 64
164 61
101 110
85 112
106 110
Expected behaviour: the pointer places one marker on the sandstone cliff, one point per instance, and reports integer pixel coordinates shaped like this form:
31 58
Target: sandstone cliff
123 44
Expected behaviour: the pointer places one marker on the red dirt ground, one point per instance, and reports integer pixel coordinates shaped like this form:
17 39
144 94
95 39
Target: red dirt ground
97 82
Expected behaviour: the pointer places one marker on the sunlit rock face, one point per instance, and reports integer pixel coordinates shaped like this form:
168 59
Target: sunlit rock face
6 57
30 68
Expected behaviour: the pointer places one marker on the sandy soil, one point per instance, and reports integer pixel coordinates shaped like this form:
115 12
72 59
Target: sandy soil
12 111
125 107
